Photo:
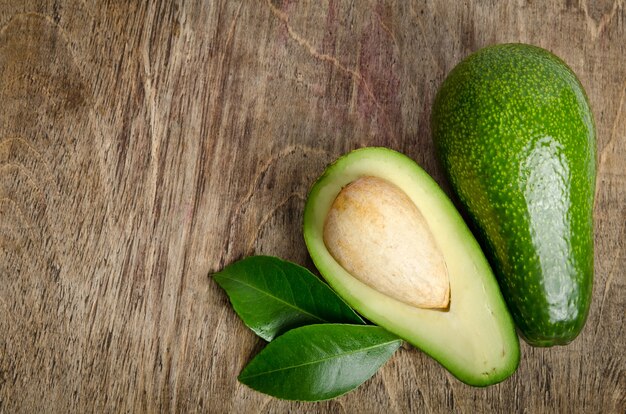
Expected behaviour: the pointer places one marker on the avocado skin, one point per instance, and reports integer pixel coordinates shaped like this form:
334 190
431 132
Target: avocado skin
515 134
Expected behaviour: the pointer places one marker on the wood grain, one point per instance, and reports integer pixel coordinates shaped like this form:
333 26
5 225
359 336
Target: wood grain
144 145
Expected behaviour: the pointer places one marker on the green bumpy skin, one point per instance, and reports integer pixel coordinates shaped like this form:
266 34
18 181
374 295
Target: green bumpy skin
515 134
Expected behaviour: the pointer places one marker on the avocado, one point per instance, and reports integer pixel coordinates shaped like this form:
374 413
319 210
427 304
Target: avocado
456 314
515 134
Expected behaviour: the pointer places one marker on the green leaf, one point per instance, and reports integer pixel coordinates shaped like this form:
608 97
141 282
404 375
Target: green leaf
319 362
272 296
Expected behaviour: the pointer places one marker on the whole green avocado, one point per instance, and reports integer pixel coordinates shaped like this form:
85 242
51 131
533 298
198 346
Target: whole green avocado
515 134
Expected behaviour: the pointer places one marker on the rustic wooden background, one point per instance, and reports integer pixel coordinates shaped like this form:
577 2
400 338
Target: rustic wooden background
144 145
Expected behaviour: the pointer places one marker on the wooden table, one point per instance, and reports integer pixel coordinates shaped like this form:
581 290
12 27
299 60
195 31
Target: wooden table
145 145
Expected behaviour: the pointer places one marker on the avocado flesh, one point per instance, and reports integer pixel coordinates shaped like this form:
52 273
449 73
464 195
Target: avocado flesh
475 338
515 134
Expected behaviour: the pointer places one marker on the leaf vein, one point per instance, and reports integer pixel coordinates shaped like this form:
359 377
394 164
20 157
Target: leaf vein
319 360
274 297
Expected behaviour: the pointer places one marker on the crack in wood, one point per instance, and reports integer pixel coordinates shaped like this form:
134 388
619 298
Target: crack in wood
283 17
596 28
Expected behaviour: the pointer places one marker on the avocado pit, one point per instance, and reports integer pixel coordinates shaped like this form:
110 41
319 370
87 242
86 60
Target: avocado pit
378 234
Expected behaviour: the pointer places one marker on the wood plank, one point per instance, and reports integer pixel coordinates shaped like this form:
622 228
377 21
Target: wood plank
144 145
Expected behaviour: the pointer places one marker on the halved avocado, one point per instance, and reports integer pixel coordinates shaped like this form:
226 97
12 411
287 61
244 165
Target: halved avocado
474 338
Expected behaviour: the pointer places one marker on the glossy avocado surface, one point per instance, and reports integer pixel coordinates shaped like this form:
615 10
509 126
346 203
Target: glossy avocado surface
515 134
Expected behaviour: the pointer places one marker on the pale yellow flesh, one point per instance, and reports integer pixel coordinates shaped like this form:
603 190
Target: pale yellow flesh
379 236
